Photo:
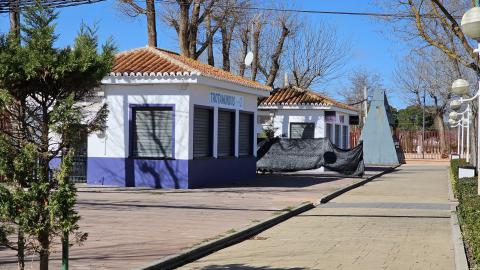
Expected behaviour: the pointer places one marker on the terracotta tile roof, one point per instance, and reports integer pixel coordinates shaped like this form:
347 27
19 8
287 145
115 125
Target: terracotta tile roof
148 60
293 95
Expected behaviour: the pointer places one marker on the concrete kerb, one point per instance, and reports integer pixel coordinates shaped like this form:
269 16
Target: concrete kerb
203 250
200 251
461 262
339 192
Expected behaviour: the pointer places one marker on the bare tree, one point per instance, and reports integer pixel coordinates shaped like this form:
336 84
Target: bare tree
354 92
133 9
274 36
431 71
187 17
316 54
435 23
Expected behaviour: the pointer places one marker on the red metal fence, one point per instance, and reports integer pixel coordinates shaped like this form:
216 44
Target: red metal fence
410 142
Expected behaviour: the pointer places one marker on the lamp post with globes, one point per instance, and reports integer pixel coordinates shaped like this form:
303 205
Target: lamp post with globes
470 25
465 122
457 124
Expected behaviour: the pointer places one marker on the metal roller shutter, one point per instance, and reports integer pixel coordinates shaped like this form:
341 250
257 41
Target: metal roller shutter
245 134
202 132
302 130
226 139
153 136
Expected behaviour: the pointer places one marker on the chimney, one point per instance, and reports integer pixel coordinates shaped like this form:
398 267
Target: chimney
285 82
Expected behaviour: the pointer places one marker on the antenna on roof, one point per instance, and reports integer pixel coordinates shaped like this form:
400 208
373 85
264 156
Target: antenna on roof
249 56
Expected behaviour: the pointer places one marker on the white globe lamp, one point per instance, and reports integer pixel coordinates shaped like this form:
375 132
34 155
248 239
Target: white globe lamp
471 23
460 87
455 104
453 116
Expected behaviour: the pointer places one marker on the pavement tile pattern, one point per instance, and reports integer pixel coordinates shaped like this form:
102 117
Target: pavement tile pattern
398 221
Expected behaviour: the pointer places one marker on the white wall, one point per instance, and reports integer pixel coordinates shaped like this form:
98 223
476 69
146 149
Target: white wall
283 117
115 143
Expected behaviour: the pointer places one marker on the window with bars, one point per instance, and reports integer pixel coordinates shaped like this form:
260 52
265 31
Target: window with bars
226 133
152 132
245 134
202 132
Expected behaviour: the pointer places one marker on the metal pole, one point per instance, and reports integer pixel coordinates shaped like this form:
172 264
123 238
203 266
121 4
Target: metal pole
423 126
65 246
461 144
365 104
458 141
468 133
478 138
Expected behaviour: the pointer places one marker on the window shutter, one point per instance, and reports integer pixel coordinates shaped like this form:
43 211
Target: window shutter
245 134
226 124
153 132
302 130
202 132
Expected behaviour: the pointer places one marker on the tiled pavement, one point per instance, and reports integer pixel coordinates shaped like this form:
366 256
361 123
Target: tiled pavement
398 221
129 228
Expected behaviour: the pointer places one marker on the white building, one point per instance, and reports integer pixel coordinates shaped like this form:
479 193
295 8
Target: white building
293 112
174 123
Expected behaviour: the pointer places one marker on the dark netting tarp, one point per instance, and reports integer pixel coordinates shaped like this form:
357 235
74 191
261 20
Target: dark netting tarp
286 155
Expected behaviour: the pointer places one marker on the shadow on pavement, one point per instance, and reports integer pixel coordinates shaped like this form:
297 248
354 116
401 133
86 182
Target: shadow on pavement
246 267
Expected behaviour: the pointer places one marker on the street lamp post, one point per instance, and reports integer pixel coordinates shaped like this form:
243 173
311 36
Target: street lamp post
460 125
465 119
471 27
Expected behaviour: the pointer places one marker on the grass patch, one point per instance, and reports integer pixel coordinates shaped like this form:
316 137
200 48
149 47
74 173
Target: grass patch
468 211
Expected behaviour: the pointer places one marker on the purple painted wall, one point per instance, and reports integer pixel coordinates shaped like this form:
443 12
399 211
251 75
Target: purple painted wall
181 174
221 172
137 172
161 173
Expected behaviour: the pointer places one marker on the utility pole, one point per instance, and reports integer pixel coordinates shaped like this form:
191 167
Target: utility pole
423 125
365 104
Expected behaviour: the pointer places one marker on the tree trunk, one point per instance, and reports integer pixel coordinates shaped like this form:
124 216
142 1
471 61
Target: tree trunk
193 30
209 39
226 39
255 49
21 250
151 24
14 19
44 253
440 126
276 57
183 28
244 51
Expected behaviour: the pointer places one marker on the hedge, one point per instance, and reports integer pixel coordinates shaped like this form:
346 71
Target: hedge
468 211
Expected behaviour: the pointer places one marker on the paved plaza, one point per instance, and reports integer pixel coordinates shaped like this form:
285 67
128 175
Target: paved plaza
129 228
398 221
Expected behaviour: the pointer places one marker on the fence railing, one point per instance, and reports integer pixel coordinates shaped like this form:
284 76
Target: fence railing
410 141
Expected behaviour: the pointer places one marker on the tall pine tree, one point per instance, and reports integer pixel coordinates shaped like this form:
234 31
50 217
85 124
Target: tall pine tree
45 95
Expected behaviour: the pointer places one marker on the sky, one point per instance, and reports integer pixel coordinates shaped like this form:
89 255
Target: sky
371 48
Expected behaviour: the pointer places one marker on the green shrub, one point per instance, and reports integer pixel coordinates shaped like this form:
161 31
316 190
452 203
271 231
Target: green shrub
469 215
454 164
468 211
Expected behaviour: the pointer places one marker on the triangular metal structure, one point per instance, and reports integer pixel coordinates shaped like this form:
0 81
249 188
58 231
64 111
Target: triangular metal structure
378 145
